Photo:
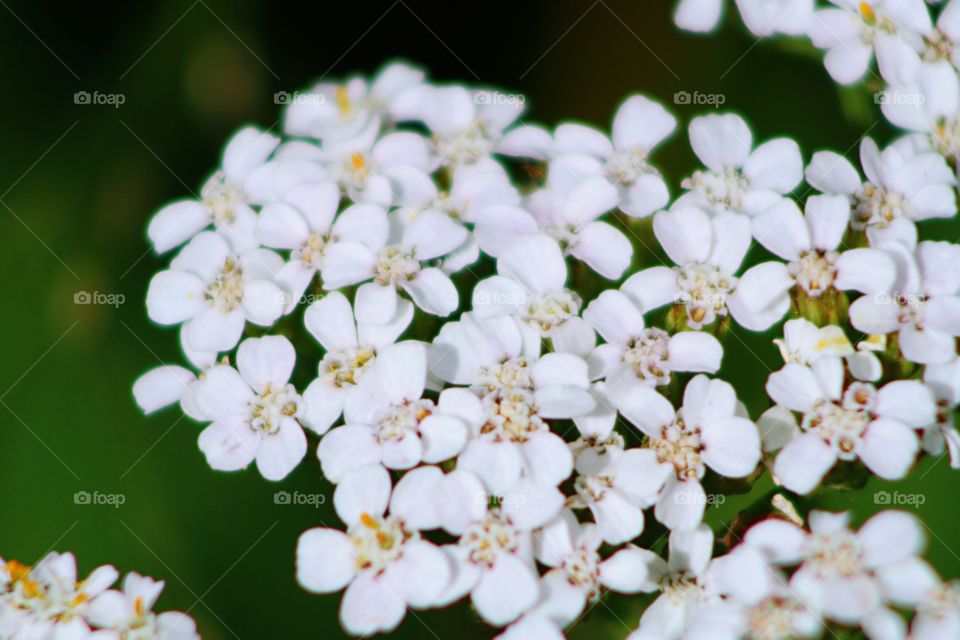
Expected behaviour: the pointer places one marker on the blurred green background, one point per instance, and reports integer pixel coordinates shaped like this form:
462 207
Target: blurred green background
79 181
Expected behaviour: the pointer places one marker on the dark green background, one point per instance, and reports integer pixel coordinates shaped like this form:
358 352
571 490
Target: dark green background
78 183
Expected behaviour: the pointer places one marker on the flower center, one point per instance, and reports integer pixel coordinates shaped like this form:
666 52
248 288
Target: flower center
377 542
311 253
943 601
583 570
946 137
649 355
772 619
226 292
835 554
395 264
345 366
591 489
354 171
681 587
626 167
841 427
552 309
221 196
466 147
680 445
875 206
510 374
398 420
704 289
511 416
484 541
723 189
814 270
269 408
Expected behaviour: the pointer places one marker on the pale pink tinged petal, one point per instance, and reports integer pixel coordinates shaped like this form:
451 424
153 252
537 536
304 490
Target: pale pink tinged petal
459 499
776 165
848 62
161 387
280 226
884 624
175 296
888 448
690 550
890 536
907 582
229 444
681 505
363 491
652 288
433 291
865 270
363 223
647 410
942 313
907 401
782 230
266 361
685 234
781 541
346 263
831 173
175 625
802 464
347 448
412 498
213 331
639 475
618 519
926 346
176 223
330 321
604 248
706 400
700 16
402 453
442 437
864 366
536 262
721 141
281 452
547 458
875 314
731 446
630 570
505 590
579 138
529 505
641 124
421 574
371 605
828 522
223 392
777 427
694 351
615 317
375 303
498 464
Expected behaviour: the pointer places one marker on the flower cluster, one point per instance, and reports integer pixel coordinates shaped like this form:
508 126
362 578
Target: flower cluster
503 394
49 601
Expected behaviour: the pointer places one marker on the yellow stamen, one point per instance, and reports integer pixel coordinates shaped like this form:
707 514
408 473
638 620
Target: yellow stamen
343 100
869 15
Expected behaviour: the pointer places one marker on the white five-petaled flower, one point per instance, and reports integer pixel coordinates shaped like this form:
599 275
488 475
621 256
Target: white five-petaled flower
804 342
923 305
842 422
255 411
214 292
129 612
906 182
223 201
709 430
384 563
739 178
389 422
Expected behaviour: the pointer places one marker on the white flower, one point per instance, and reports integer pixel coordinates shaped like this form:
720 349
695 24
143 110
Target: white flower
850 30
637 354
382 561
128 612
223 200
708 251
923 307
387 421
844 422
848 577
577 573
905 184
739 178
255 411
938 615
382 173
531 286
803 342
707 431
305 224
214 292
810 242
762 17
944 381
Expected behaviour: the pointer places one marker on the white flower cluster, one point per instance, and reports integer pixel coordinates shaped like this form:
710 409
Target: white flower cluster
49 601
510 453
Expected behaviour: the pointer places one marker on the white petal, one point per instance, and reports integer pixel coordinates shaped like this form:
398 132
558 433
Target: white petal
371 605
831 173
536 262
280 452
652 288
442 436
229 444
161 387
865 270
685 234
615 317
604 248
802 464
890 536
681 505
175 296
324 560
433 291
694 351
375 303
330 321
721 141
412 498
888 448
641 123
347 448
363 491
775 165
783 231
505 591
177 222
459 500
731 446
346 263
266 361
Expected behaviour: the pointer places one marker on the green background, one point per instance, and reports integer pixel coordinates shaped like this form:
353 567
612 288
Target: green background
79 182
